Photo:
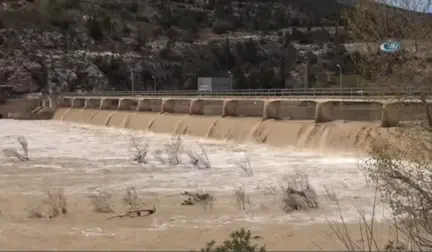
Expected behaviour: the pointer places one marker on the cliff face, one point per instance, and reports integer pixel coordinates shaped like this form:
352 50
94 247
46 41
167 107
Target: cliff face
89 45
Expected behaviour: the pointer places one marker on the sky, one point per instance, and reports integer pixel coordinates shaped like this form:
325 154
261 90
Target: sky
417 5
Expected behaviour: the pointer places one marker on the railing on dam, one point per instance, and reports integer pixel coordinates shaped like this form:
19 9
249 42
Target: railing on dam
310 92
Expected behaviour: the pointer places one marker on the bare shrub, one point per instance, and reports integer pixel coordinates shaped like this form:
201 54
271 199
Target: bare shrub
205 199
400 162
57 202
22 155
131 199
298 194
172 150
53 206
364 171
407 188
370 238
200 159
100 201
140 152
295 193
241 197
245 166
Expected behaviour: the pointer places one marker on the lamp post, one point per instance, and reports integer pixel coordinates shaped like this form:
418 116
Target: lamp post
306 77
340 78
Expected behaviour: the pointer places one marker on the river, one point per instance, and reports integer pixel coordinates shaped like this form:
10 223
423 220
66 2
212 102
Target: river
82 159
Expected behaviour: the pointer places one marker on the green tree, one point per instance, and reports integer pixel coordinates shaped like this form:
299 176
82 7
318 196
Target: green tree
240 241
95 29
239 79
282 77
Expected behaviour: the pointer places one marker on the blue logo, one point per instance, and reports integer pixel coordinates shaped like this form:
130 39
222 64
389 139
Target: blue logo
391 46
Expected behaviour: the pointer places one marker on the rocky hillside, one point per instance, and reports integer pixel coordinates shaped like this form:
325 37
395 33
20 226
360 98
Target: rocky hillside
88 45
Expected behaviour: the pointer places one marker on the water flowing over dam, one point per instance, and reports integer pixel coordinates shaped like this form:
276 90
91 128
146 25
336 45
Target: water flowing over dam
350 136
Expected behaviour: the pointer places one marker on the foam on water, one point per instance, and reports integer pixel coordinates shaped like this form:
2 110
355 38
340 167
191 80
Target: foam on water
61 149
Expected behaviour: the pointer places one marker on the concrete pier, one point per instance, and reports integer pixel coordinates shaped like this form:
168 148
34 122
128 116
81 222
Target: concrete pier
272 110
324 112
229 108
78 103
109 103
197 107
92 103
127 104
167 106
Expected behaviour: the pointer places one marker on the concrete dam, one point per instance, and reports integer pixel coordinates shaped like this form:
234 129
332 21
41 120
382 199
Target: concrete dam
330 124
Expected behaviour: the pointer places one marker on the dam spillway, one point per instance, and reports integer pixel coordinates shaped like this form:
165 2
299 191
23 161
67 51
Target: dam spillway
304 134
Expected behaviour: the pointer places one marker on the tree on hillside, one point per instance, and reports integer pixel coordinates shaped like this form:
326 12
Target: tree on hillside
405 186
408 70
374 24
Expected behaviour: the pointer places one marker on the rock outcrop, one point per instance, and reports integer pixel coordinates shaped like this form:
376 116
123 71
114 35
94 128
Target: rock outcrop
92 45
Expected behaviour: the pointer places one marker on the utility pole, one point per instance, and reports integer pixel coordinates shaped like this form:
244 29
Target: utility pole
306 77
132 80
340 85
154 83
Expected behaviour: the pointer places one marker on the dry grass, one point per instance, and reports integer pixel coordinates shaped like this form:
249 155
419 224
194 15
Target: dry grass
101 202
53 206
22 155
204 199
241 197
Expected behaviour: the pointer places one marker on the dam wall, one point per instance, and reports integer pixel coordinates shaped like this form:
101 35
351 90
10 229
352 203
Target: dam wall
321 111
